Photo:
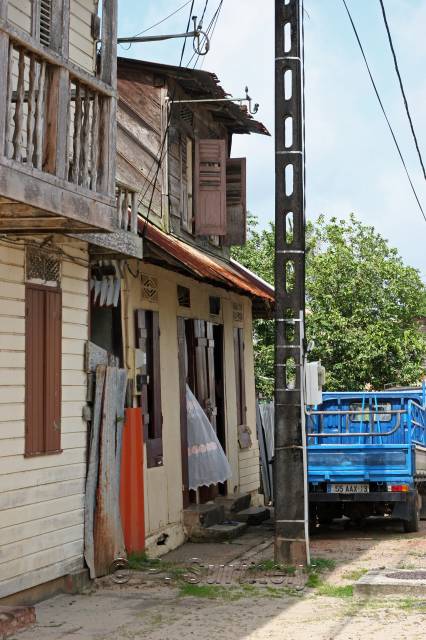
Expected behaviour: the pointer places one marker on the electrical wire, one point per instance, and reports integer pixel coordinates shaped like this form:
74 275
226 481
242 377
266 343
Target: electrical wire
212 33
383 109
164 19
211 25
395 61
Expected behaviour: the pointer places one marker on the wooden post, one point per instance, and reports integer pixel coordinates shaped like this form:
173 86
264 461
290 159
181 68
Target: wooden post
4 65
109 105
57 122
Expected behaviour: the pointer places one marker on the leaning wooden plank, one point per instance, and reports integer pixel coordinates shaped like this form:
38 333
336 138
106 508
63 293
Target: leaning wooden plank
108 536
95 356
121 398
92 474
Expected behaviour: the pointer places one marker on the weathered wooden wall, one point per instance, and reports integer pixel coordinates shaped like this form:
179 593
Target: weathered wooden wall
41 498
139 137
163 484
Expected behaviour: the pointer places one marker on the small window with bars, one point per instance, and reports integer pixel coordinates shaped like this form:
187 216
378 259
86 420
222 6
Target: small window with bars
42 267
45 22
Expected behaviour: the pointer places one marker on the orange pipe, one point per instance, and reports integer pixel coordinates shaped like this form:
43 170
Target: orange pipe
131 482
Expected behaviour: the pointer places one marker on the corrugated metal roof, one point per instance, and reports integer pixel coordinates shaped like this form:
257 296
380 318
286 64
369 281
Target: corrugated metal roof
205 267
199 84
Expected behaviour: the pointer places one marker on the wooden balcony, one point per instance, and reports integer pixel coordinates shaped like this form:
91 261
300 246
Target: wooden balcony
125 240
57 142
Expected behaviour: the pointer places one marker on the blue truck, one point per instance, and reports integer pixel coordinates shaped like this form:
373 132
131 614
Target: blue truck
367 456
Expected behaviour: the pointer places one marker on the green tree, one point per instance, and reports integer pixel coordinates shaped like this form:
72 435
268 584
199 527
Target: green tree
363 306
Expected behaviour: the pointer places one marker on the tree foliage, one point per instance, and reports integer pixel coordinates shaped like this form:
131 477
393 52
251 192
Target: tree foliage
363 305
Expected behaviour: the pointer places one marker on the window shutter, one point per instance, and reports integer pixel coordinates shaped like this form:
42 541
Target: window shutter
43 370
53 326
45 21
210 187
236 213
240 375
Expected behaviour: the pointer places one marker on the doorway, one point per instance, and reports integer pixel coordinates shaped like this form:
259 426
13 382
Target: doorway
201 367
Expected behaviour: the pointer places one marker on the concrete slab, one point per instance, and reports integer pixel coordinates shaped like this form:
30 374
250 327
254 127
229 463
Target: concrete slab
219 532
253 515
397 581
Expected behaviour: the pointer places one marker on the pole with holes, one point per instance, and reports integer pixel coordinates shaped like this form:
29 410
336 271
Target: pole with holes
291 531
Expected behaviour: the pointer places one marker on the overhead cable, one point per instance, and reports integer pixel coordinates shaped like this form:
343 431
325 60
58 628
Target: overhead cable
383 109
395 61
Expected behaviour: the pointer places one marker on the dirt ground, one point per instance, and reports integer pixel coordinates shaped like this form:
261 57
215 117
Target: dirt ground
165 603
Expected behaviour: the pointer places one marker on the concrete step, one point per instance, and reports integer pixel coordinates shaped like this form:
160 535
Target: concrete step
15 618
253 515
200 516
234 503
227 530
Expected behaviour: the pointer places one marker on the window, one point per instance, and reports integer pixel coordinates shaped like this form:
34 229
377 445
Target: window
184 296
148 341
240 375
43 336
214 306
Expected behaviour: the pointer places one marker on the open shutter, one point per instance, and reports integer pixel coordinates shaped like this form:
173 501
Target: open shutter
210 187
34 385
156 444
182 350
141 341
240 375
236 212
53 324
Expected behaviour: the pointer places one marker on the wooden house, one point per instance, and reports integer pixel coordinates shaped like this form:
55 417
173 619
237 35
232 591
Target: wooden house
187 308
58 203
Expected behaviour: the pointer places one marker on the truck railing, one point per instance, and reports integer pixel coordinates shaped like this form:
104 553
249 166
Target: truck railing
354 434
324 425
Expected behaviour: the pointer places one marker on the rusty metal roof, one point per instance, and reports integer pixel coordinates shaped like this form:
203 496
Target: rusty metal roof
198 84
180 256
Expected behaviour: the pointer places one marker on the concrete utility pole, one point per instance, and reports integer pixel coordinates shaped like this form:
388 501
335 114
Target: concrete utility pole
291 532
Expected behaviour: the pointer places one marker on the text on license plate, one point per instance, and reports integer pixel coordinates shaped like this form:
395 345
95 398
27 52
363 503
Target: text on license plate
349 488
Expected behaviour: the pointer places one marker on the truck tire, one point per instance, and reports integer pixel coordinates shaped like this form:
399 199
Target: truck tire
412 524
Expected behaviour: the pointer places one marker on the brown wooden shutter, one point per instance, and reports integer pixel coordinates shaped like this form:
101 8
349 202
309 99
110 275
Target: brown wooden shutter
182 349
210 187
43 370
211 408
236 207
53 324
240 375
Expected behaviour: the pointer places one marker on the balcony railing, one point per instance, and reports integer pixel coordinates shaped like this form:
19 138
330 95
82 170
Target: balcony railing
127 207
36 89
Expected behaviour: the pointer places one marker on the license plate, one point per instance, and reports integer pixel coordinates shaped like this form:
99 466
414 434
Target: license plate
349 488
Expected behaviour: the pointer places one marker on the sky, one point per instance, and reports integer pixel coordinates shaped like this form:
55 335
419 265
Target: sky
352 164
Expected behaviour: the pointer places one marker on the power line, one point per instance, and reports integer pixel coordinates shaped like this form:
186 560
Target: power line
383 109
164 19
395 61
212 32
208 30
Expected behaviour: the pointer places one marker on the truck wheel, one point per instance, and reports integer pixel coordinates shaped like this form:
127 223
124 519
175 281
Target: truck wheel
412 524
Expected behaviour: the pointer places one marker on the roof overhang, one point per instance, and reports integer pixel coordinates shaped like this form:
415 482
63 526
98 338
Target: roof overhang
169 252
197 84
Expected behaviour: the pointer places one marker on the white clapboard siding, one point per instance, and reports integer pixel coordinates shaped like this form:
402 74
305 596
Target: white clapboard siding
19 13
49 572
41 497
11 535
38 477
42 542
29 513
82 46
